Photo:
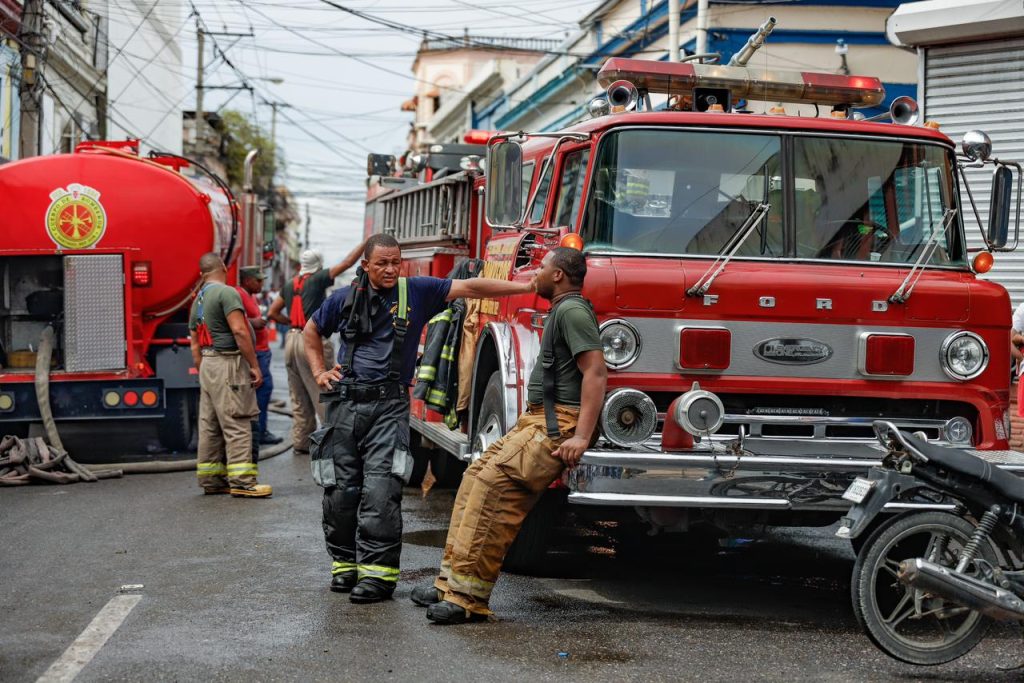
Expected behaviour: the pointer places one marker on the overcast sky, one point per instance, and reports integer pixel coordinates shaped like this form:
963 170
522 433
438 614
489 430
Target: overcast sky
344 81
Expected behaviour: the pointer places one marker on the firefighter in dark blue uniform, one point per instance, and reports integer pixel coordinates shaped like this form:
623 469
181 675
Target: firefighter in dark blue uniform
361 456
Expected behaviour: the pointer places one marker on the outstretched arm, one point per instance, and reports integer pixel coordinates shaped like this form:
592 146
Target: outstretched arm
348 261
487 288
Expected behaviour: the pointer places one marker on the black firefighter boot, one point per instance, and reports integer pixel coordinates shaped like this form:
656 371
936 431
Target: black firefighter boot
343 582
425 596
370 589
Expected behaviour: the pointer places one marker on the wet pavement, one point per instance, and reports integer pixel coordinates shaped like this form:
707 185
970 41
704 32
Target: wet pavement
236 589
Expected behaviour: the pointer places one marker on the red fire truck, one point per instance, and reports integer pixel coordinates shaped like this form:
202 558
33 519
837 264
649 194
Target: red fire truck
767 286
104 246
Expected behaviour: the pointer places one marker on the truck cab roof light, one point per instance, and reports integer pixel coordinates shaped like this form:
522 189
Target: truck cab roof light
743 83
478 137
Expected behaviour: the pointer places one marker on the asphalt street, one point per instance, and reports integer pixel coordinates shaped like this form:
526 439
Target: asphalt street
236 589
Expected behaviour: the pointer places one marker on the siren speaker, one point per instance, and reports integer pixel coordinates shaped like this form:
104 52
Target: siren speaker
628 418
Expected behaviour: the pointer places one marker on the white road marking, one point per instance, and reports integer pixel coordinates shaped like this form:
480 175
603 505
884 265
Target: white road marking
95 635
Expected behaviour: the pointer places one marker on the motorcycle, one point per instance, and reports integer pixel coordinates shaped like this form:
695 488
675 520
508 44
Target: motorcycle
930 581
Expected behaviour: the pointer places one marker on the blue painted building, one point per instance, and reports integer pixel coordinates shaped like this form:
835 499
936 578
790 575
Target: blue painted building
842 36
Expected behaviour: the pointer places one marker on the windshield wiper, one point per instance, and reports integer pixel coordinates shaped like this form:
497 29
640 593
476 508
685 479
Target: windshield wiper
729 249
904 291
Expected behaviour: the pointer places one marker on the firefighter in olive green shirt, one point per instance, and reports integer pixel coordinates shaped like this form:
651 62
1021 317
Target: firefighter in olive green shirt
223 350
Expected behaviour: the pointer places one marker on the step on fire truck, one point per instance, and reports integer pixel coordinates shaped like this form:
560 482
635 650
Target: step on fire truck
104 245
766 285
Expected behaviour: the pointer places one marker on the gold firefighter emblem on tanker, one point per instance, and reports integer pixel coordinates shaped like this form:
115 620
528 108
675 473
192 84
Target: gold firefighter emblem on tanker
75 219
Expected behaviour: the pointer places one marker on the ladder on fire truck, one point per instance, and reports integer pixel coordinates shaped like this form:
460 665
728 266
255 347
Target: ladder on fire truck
438 211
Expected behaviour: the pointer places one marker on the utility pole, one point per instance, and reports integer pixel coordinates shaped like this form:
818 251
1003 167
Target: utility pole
702 26
308 220
30 37
673 31
201 41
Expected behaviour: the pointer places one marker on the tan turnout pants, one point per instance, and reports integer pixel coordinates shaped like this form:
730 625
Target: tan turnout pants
303 389
227 407
496 493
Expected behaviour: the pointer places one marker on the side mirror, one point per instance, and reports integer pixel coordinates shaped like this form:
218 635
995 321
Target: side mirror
976 145
504 184
999 207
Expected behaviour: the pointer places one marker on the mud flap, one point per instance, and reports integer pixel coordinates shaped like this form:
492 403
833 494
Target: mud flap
321 457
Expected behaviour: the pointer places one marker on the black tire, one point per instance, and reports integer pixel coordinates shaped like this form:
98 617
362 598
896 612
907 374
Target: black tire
446 468
489 423
528 552
179 424
420 459
927 640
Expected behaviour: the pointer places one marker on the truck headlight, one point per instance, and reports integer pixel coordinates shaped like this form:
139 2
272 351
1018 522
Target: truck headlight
964 355
621 343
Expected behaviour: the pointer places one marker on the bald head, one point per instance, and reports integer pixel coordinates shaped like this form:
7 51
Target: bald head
211 266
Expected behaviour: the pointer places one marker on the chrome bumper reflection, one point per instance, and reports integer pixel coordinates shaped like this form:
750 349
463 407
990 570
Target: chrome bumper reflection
769 476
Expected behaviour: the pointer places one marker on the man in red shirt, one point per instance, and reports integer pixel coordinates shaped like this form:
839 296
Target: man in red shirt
252 284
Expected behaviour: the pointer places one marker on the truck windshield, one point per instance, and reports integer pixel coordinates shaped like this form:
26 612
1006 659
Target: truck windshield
681 192
866 200
687 192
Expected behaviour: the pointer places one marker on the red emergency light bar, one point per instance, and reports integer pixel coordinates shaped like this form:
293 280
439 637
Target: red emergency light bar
766 85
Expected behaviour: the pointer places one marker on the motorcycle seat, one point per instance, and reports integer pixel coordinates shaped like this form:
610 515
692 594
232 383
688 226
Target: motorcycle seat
1006 483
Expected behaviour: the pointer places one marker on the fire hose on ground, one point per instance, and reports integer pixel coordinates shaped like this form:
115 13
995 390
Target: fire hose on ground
23 461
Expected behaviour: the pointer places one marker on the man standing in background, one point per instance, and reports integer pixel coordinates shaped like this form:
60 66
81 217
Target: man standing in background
302 296
252 284
229 374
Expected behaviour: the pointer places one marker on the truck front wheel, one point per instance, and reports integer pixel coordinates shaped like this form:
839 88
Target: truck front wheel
179 424
528 552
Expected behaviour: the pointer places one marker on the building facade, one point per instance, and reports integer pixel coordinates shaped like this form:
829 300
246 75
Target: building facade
63 87
144 81
10 78
452 76
971 62
847 36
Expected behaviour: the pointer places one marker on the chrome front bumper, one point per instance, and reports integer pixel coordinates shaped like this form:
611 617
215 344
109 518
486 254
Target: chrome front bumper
772 474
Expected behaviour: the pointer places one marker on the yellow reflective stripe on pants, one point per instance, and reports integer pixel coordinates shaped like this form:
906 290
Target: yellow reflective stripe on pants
241 469
377 571
470 585
210 469
342 567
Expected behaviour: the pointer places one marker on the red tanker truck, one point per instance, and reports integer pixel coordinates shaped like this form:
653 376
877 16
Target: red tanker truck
103 246
811 274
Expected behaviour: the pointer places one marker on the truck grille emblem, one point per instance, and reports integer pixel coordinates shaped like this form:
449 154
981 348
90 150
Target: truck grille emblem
793 351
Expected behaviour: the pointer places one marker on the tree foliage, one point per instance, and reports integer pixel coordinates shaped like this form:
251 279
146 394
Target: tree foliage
243 135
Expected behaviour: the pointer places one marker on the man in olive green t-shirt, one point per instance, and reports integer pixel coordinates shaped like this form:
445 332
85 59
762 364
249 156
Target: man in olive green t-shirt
503 485
223 350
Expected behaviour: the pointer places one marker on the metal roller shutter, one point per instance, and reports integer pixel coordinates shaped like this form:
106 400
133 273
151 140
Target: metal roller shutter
981 86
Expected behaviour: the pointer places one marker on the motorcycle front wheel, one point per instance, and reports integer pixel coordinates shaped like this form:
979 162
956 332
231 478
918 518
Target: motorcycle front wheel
909 624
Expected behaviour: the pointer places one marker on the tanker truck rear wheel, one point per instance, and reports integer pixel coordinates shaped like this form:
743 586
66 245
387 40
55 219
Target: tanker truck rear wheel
179 424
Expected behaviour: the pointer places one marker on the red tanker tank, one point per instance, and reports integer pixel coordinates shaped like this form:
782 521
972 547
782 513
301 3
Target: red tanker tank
103 246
